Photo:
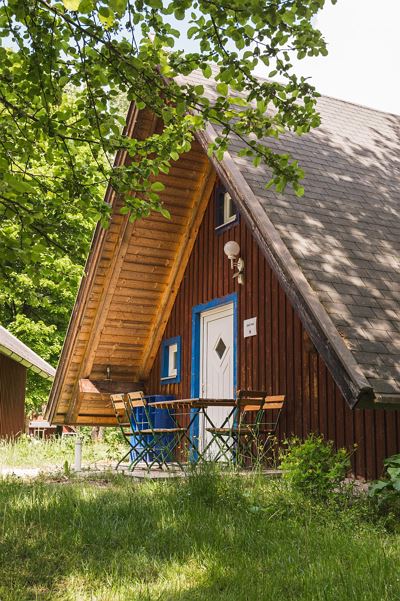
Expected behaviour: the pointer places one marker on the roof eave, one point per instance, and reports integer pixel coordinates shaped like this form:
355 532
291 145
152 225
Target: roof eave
45 370
384 401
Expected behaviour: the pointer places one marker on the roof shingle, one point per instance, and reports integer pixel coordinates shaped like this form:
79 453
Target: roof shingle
344 233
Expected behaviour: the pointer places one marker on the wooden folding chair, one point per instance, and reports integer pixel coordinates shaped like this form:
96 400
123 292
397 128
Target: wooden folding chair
122 414
258 418
158 444
254 427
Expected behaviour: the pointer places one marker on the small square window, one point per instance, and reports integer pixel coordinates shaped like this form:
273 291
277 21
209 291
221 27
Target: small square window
170 360
226 212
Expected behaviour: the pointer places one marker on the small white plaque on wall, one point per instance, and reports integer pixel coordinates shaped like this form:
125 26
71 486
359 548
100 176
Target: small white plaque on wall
250 327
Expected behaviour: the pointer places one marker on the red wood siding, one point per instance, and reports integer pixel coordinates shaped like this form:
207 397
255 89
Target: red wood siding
280 359
12 397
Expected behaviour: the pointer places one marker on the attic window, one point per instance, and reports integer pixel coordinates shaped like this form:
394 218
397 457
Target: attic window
171 360
225 209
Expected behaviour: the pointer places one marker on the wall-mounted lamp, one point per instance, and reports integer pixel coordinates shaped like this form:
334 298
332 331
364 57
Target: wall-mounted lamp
108 372
232 251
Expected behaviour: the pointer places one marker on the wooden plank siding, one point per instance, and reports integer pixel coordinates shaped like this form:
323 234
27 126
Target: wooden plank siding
12 397
281 358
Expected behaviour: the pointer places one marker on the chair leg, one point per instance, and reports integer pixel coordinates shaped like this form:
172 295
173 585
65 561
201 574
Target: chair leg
226 446
253 449
121 460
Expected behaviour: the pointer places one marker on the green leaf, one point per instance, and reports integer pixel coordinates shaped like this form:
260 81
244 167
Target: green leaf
179 14
299 190
118 6
180 108
261 106
71 4
191 32
394 472
238 101
106 16
157 187
18 184
165 213
288 18
392 460
377 487
207 72
222 89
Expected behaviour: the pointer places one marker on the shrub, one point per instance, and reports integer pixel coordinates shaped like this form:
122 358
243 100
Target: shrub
391 483
386 492
313 466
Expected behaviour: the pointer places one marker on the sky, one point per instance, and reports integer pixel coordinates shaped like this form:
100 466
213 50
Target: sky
362 66
363 39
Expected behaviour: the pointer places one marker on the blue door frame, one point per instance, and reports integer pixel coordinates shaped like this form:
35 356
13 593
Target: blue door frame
195 370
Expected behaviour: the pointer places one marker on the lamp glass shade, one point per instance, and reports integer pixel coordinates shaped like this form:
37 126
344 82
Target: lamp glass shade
232 249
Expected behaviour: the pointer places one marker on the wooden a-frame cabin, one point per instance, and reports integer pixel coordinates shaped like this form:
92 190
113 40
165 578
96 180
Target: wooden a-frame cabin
317 317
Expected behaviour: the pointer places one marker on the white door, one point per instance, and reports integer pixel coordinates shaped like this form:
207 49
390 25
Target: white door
216 367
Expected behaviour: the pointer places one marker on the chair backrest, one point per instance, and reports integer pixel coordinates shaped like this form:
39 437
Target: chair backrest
120 408
138 410
251 401
136 399
268 402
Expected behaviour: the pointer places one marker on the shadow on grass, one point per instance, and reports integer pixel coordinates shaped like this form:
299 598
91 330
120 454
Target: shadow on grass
211 537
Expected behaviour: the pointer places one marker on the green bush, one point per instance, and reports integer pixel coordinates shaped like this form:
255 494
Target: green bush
386 492
391 483
313 466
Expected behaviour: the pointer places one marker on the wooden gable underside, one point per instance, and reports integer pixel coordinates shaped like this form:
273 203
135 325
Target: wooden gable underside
131 281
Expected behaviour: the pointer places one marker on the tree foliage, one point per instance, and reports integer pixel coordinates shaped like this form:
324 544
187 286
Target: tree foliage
43 247
65 67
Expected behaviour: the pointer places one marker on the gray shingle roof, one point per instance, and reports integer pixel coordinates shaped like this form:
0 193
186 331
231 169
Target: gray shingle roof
344 234
17 350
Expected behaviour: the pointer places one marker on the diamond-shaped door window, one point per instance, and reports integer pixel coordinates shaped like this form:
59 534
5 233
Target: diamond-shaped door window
220 348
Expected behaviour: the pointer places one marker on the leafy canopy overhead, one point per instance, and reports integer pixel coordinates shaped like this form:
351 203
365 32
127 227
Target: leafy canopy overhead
107 48
68 70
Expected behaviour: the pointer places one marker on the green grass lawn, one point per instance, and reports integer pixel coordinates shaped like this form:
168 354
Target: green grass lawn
207 537
29 452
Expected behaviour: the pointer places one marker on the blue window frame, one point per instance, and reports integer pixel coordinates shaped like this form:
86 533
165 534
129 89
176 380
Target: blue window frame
171 360
226 213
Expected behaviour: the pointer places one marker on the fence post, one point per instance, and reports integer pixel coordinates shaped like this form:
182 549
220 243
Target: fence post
78 454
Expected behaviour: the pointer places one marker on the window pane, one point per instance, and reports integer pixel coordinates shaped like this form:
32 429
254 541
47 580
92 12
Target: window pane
229 210
219 216
172 359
